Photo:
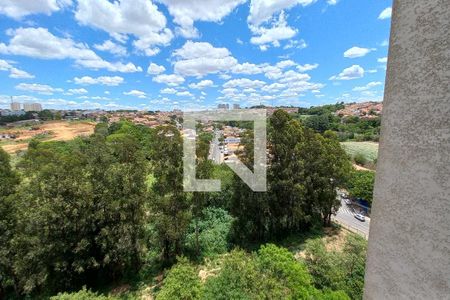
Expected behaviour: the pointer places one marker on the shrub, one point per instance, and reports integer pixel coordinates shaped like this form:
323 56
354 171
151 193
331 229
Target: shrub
213 232
83 294
360 159
181 282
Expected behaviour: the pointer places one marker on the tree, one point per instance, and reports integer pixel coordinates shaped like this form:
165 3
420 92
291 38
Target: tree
210 234
338 270
8 219
170 206
319 123
304 169
240 278
286 174
361 185
83 294
336 168
45 115
181 282
80 212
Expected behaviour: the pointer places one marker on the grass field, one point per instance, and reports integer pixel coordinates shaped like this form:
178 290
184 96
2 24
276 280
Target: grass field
368 149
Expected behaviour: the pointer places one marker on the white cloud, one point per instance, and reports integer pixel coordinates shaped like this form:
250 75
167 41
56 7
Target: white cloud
244 83
14 72
385 14
350 73
4 65
382 60
38 88
201 85
77 91
40 43
332 2
155 69
199 59
246 68
171 80
367 86
184 94
140 18
136 93
279 31
272 72
103 80
20 8
355 52
274 87
111 47
307 67
285 64
185 13
263 10
298 44
168 91
293 76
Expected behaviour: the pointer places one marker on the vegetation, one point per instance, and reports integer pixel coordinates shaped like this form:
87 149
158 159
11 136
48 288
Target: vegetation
9 119
322 118
338 270
109 207
363 153
361 185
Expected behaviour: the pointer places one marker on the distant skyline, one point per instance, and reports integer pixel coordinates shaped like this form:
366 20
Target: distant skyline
166 54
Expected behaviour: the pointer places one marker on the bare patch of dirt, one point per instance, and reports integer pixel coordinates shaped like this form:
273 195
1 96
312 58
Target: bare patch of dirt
56 130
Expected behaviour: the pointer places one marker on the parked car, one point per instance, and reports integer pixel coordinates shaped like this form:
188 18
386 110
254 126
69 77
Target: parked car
360 217
347 201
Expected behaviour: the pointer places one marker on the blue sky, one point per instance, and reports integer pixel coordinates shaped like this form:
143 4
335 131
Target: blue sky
192 54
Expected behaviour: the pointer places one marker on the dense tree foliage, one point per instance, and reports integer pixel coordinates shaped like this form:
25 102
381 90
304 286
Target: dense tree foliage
91 211
338 270
304 169
181 282
170 206
209 234
361 185
80 212
323 118
270 273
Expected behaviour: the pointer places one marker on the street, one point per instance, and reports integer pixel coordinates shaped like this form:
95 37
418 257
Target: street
214 151
346 217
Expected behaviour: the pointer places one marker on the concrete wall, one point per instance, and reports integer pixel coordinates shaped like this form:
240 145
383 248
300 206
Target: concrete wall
409 243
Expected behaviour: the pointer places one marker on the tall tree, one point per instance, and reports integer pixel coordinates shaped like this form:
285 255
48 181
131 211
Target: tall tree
80 212
8 219
170 206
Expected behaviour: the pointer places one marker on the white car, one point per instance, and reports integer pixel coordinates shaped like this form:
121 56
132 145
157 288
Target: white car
360 217
347 201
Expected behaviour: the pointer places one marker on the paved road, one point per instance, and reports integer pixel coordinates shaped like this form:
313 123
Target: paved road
346 217
214 151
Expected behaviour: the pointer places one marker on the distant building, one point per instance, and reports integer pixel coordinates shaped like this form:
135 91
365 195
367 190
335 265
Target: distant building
232 140
236 106
15 106
32 107
7 113
223 106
